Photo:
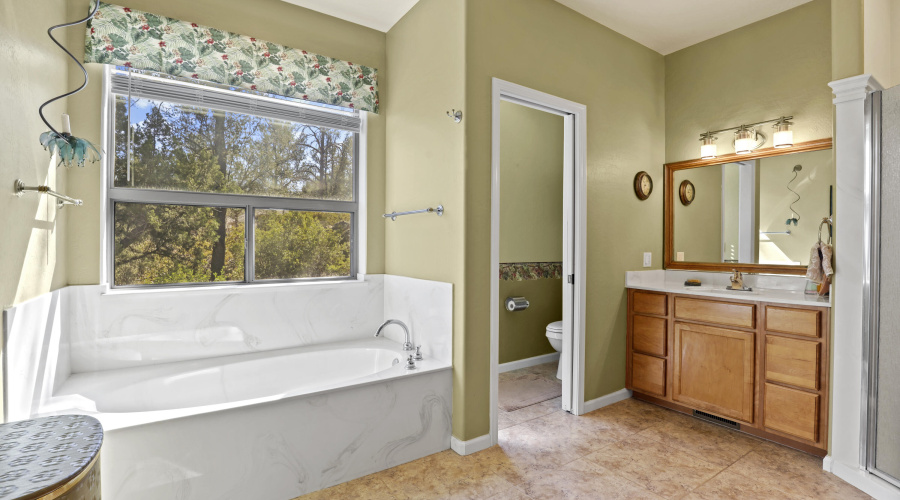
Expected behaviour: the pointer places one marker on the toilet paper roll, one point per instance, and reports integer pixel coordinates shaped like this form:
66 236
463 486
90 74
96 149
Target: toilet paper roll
516 304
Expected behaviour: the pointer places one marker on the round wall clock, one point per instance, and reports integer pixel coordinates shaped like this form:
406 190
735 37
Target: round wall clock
686 193
643 185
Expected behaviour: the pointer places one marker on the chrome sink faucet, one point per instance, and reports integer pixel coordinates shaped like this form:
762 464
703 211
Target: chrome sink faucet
407 346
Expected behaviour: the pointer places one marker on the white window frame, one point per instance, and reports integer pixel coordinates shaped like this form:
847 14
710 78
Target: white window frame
249 203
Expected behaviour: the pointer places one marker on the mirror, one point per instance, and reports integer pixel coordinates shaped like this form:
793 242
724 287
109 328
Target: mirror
757 213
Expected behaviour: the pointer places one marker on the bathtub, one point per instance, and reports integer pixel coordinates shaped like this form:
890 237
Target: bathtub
264 425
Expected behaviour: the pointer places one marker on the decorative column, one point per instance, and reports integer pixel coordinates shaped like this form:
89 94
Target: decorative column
852 183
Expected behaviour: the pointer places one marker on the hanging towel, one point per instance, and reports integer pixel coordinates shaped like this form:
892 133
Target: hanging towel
820 269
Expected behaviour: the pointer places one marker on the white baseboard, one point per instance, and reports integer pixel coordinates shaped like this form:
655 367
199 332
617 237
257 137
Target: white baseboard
615 397
525 363
868 483
470 446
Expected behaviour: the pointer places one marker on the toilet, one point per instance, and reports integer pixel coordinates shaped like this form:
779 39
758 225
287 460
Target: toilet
554 335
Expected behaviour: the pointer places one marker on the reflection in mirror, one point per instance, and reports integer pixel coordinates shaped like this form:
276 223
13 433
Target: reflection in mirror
758 211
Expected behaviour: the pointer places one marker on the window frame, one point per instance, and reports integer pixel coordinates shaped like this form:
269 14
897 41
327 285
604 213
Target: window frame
249 203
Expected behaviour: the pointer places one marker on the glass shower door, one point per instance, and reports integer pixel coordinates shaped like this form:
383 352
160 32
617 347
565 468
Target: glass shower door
882 440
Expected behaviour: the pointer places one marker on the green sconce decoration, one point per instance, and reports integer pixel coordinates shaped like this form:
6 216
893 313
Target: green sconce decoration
71 150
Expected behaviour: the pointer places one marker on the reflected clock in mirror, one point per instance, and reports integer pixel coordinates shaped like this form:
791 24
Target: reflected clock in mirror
758 212
686 192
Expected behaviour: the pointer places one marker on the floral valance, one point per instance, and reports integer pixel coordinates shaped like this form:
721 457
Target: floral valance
128 37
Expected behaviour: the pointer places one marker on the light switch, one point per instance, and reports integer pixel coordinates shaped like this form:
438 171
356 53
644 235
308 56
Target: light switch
647 258
679 256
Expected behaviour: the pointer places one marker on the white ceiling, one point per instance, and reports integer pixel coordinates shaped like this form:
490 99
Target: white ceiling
662 25
377 14
669 25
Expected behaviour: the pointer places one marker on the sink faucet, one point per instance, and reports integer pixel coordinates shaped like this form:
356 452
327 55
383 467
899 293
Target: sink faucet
407 346
737 280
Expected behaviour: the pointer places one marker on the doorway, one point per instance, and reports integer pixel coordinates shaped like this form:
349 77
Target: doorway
571 269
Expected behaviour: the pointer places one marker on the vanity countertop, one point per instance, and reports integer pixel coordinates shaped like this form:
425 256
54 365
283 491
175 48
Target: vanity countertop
775 289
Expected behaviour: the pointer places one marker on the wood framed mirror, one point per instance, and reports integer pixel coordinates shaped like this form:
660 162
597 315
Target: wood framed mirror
745 213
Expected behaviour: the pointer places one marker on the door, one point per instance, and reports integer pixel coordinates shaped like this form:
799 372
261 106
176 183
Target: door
882 446
714 370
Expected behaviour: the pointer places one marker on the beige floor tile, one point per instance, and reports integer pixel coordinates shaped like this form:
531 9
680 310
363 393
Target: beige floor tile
488 487
515 494
668 472
364 488
707 441
529 412
552 440
728 485
794 472
625 418
582 480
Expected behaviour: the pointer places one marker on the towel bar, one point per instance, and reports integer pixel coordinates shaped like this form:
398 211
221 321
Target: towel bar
62 200
439 211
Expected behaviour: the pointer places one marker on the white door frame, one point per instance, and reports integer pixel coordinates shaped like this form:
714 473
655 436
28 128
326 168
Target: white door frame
575 255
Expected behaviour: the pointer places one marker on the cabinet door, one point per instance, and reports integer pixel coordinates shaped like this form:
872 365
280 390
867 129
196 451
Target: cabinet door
648 374
714 370
792 412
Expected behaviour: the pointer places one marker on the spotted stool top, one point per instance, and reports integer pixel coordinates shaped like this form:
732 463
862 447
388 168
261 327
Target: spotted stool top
44 454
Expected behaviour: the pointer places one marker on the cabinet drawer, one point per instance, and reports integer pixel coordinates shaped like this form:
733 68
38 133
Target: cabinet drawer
648 374
714 370
649 303
649 335
792 412
796 321
709 311
794 362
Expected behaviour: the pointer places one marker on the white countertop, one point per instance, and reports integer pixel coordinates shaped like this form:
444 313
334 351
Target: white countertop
766 288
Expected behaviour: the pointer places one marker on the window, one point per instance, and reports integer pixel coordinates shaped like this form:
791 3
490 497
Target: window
210 184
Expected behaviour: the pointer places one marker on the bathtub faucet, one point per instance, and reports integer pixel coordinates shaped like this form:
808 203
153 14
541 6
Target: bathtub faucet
407 346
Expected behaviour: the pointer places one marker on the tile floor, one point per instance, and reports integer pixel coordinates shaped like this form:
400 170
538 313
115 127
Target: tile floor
630 449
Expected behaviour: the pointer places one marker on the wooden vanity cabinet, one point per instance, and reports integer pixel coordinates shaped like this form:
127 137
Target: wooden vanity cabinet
761 365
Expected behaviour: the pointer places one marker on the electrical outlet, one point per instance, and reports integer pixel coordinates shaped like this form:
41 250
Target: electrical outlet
647 258
679 256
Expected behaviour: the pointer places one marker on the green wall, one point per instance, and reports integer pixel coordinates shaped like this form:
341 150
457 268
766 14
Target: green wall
34 70
548 47
531 211
777 66
531 184
523 334
425 161
272 20
698 226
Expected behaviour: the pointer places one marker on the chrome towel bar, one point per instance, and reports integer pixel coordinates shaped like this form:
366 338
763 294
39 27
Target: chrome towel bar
439 211
62 200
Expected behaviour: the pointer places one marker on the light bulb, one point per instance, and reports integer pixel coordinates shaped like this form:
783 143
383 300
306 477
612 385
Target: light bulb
783 136
744 140
708 148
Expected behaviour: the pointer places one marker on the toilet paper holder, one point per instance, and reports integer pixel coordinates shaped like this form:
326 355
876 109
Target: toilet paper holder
516 304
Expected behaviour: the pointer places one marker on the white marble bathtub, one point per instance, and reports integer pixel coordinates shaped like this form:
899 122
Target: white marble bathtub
313 401
270 425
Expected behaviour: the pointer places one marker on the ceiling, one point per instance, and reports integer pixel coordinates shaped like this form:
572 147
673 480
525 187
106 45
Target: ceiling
662 25
377 14
669 25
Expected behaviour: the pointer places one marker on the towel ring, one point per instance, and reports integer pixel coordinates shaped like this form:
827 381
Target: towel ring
825 220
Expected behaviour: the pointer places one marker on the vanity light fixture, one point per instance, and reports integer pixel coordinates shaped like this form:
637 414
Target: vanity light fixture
748 138
783 136
708 149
